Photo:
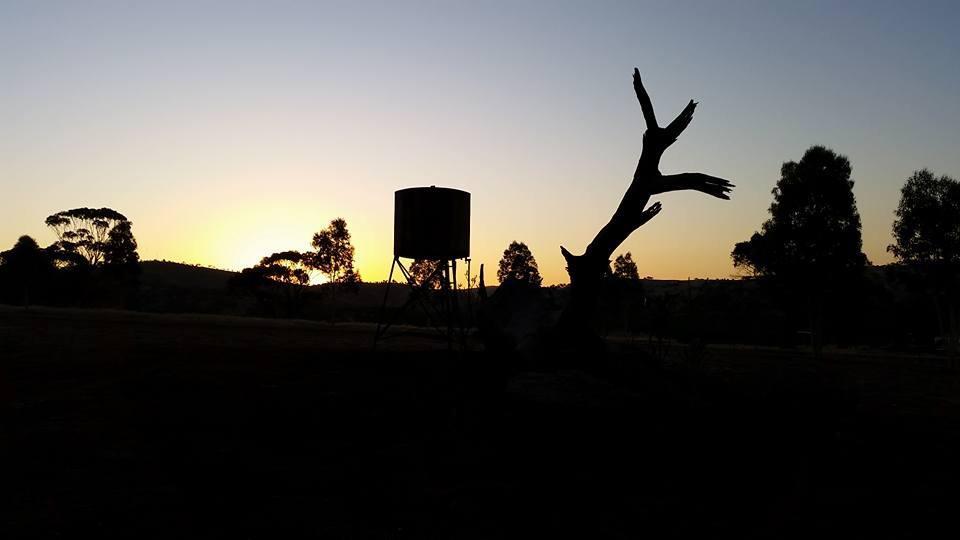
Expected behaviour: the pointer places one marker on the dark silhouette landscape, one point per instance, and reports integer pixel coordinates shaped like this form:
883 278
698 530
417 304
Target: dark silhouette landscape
139 424
813 393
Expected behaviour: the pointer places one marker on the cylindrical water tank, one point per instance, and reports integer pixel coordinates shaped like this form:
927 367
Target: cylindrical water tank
431 223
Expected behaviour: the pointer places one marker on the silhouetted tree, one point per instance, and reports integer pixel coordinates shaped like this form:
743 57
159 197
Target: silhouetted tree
926 236
427 272
283 274
625 293
927 228
121 264
287 267
66 258
85 231
587 271
625 268
812 239
255 282
72 281
25 267
120 249
334 257
518 264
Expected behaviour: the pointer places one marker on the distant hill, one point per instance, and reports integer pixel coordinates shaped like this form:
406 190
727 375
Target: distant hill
169 287
167 274
185 288
180 275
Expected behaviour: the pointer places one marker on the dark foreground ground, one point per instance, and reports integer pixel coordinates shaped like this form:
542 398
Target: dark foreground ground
138 426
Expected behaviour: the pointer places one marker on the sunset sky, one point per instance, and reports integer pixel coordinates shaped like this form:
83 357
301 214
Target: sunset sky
229 130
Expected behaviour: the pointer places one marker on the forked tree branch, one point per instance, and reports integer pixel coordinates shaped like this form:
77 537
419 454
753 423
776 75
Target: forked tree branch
647 180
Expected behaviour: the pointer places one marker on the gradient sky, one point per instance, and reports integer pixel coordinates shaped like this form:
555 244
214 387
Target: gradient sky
229 130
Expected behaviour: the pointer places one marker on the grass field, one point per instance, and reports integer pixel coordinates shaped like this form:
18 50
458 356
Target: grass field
137 425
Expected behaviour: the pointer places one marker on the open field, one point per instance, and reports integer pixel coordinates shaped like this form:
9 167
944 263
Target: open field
142 425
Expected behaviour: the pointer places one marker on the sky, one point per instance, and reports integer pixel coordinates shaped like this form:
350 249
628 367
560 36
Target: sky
230 130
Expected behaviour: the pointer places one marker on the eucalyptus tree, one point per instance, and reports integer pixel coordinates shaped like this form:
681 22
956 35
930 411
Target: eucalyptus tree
926 236
333 256
281 277
86 231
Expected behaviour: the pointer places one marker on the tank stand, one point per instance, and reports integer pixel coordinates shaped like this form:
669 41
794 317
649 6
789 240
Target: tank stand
443 311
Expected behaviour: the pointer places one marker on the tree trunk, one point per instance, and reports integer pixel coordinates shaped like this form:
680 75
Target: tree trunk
947 322
333 303
939 311
815 307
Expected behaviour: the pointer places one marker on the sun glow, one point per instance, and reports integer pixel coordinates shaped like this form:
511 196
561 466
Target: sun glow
240 240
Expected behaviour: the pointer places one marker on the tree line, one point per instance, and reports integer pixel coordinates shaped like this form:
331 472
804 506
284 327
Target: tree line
279 280
95 256
810 249
517 264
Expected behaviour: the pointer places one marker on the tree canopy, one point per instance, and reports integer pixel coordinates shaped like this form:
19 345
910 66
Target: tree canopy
26 265
814 228
334 253
625 268
425 272
120 249
277 282
518 264
927 227
25 258
287 267
86 231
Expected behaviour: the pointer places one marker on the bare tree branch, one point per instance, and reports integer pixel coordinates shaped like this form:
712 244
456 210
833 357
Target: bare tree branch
645 104
704 183
681 122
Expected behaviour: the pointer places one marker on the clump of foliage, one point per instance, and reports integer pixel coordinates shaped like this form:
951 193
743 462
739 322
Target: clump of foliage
519 265
814 228
120 249
333 255
87 232
26 267
277 282
927 228
625 268
427 273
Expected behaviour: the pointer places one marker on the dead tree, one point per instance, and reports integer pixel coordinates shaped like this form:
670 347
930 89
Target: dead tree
587 271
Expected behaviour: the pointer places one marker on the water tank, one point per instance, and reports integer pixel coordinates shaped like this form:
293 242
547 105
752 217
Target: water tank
431 223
